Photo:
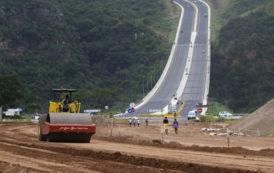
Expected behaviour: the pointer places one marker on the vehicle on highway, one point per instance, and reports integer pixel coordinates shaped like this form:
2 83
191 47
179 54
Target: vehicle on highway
192 114
225 114
37 116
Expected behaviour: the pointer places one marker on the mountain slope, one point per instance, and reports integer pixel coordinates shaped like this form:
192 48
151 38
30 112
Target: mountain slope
112 45
242 54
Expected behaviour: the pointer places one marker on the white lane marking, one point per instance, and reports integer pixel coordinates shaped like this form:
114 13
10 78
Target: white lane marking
190 53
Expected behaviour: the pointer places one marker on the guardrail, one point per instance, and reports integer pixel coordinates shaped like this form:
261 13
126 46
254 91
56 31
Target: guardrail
208 60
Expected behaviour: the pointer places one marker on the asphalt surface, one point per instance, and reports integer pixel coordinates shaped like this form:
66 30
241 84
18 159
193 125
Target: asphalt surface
194 90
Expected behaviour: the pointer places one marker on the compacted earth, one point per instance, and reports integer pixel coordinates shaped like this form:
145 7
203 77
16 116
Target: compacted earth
135 149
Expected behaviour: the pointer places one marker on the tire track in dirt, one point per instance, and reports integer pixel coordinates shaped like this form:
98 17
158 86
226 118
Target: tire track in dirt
13 167
58 160
156 143
71 156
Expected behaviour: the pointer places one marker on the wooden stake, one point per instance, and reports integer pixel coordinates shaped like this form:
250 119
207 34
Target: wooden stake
119 131
228 142
111 126
227 137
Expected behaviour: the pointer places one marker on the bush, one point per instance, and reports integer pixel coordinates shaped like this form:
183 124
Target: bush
206 118
220 119
212 119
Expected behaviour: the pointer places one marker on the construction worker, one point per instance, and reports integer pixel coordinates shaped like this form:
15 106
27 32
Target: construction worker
146 122
134 122
66 100
129 121
165 122
175 126
138 122
66 104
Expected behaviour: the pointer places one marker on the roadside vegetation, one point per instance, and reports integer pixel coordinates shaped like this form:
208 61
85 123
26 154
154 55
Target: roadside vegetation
242 53
13 94
214 119
215 107
18 119
213 113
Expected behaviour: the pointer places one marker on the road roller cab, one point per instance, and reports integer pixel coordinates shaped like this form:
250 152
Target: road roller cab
64 122
65 104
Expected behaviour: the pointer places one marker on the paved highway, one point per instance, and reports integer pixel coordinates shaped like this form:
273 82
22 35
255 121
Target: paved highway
193 92
195 86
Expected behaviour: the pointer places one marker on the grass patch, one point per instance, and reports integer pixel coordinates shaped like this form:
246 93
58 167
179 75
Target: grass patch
120 120
215 119
22 119
217 21
267 134
174 21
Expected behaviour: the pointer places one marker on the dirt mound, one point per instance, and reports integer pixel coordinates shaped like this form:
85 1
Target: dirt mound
261 120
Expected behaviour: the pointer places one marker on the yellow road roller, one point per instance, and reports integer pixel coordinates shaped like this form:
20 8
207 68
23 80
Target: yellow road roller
64 122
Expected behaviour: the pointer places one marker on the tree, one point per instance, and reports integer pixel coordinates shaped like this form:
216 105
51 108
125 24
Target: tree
33 107
10 90
102 97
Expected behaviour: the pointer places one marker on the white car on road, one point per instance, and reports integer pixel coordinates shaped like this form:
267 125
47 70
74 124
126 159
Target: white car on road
225 114
192 114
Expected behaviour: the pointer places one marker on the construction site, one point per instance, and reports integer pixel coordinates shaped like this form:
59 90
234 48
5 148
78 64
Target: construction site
170 129
142 149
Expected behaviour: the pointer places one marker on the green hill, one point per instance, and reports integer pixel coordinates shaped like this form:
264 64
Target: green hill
242 53
113 51
108 49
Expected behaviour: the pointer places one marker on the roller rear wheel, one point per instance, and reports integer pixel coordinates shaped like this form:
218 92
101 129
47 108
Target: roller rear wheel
41 121
71 137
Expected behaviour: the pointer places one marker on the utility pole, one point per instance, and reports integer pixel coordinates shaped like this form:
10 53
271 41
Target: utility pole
153 75
159 72
151 82
1 114
154 72
143 86
162 65
147 84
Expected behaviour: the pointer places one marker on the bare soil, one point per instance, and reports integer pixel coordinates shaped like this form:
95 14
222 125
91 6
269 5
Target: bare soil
261 120
132 149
